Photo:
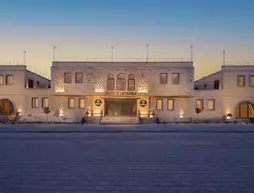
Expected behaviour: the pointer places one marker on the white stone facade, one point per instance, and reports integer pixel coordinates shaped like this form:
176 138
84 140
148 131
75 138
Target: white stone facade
163 89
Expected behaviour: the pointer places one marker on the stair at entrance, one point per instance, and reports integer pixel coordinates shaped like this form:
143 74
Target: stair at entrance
120 120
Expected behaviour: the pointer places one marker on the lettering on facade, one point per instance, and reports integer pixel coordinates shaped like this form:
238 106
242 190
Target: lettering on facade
98 102
120 93
143 103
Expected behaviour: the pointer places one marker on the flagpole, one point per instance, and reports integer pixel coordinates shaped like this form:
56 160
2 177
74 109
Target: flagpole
191 49
224 57
54 53
112 53
147 52
24 57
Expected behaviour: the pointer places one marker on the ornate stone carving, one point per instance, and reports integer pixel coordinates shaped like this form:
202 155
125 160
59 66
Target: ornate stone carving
59 83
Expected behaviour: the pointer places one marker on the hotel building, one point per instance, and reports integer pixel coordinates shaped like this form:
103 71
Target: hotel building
128 92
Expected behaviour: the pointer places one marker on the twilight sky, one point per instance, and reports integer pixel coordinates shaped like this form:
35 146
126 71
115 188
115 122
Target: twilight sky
83 29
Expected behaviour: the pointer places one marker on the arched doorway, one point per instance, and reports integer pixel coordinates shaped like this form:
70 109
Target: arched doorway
6 107
244 110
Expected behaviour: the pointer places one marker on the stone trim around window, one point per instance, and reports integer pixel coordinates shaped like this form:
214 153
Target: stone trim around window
238 78
213 107
35 102
159 109
173 104
69 103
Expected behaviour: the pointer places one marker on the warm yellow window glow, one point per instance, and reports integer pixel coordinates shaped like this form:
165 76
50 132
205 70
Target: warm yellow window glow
45 102
170 104
82 103
71 103
199 104
159 104
1 79
211 104
35 102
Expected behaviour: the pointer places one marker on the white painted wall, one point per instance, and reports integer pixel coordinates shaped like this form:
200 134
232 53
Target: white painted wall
95 76
230 95
226 99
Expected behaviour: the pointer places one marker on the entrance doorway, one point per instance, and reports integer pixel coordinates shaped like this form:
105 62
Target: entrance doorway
6 107
121 107
244 110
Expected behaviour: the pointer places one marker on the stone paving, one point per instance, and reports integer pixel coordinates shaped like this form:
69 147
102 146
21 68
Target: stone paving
81 158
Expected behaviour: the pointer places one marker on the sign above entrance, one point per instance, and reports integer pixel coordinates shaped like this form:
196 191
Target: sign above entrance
98 102
143 103
121 93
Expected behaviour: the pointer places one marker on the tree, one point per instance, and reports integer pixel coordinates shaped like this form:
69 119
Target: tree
198 111
46 110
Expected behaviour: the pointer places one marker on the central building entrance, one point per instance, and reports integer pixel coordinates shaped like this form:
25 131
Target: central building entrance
121 107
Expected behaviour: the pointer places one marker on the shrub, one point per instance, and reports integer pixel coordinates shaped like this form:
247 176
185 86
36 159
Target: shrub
198 110
46 110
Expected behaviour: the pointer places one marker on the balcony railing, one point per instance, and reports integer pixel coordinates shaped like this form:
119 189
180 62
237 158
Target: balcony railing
76 59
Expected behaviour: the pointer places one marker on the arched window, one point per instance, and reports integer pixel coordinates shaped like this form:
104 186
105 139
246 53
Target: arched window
121 82
131 82
111 82
244 110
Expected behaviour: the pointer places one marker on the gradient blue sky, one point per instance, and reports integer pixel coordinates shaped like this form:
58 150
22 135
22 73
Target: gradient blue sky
87 28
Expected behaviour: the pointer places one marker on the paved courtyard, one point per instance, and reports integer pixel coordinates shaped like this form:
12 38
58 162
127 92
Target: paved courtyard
145 158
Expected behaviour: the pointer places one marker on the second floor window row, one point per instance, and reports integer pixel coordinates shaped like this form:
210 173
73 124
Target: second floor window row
8 79
175 78
241 80
68 77
121 83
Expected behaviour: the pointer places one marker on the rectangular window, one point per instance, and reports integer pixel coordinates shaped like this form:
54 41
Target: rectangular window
216 85
211 104
79 77
163 78
1 79
67 77
199 104
251 81
30 83
175 78
9 79
170 104
35 102
82 103
159 104
71 103
240 80
45 102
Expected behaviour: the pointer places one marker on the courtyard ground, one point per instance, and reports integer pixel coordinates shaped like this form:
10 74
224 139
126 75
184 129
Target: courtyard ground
131 158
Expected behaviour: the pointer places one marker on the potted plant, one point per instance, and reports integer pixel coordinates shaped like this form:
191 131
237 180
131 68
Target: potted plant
198 111
46 110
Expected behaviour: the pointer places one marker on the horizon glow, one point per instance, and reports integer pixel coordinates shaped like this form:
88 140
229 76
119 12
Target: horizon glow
83 29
